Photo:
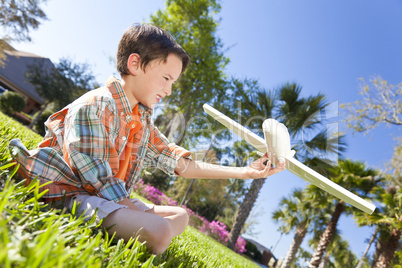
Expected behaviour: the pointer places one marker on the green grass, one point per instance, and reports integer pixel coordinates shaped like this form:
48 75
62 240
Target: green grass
34 235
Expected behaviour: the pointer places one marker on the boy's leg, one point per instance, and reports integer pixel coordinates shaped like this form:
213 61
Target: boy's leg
177 216
155 230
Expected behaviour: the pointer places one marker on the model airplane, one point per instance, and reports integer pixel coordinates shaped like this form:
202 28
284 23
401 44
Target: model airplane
277 144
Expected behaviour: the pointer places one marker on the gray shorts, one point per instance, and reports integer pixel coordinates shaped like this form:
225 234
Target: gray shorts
89 204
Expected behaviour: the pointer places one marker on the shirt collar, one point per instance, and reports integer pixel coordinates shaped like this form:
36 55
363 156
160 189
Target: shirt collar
122 103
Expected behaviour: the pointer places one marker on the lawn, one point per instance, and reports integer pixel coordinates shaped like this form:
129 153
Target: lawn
33 235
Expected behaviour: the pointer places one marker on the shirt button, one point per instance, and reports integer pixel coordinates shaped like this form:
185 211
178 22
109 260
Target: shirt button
124 138
133 126
122 113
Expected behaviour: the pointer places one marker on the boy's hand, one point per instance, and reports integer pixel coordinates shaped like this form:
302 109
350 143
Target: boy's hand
258 170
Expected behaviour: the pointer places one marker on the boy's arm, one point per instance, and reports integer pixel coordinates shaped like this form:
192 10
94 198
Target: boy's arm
201 170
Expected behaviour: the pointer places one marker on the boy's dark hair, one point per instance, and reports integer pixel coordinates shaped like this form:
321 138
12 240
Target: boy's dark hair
151 43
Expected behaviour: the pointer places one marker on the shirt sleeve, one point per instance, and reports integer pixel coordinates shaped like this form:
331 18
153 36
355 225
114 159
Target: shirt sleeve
89 149
162 154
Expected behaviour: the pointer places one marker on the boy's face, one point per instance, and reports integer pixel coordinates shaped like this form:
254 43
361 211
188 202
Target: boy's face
155 82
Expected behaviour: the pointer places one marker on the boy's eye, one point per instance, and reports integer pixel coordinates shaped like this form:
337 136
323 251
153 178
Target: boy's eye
166 78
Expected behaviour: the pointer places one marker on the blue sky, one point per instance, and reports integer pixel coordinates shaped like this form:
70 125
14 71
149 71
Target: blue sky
325 46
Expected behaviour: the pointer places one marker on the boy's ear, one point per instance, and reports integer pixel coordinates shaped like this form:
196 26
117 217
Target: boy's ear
133 63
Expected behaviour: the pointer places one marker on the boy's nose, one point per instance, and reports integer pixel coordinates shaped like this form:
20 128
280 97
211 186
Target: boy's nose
168 90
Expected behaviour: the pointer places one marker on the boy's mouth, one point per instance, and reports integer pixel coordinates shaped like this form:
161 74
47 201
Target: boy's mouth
158 98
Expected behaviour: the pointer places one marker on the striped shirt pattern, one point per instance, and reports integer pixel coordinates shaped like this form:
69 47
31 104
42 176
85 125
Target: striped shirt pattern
85 142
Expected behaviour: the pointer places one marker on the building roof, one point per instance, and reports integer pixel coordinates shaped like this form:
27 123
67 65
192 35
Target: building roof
13 73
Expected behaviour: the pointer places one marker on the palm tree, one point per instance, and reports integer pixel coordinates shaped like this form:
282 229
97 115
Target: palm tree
299 114
296 213
388 218
363 258
338 249
355 177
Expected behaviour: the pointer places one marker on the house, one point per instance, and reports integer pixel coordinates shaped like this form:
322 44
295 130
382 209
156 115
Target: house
12 76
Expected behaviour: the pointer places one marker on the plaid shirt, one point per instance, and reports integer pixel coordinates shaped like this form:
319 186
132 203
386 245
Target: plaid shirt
85 142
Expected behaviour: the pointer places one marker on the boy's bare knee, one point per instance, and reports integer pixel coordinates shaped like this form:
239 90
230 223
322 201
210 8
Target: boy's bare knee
159 236
183 215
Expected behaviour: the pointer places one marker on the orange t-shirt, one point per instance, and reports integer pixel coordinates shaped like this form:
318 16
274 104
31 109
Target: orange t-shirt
134 126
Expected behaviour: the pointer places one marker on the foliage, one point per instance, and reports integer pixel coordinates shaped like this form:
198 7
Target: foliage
381 103
193 25
214 229
17 19
352 175
396 165
40 123
158 179
11 102
397 260
299 214
338 253
10 129
59 84
153 194
194 249
301 115
35 235
63 83
388 218
252 252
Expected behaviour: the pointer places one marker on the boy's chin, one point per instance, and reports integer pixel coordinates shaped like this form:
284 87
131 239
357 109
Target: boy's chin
151 105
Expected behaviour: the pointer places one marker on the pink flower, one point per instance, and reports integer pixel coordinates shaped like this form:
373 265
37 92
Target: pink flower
214 229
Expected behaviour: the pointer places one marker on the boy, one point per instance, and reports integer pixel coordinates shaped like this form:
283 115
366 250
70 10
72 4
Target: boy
95 148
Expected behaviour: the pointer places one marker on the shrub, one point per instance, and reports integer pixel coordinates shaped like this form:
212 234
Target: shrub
11 102
214 229
40 124
153 194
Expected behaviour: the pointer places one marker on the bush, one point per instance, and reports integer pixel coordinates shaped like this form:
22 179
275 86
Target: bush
214 229
40 124
36 235
11 102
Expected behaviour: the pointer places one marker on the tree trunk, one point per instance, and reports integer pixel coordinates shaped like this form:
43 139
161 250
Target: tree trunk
300 233
244 211
33 122
183 200
386 247
325 261
361 262
326 236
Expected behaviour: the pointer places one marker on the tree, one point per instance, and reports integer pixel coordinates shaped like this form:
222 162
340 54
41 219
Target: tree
11 102
300 115
60 84
193 25
295 212
388 218
363 258
353 176
338 253
17 19
381 104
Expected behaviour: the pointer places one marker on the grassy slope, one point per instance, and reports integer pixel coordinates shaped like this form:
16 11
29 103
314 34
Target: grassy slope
32 235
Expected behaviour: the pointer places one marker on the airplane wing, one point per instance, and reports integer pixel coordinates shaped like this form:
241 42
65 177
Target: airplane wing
293 165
